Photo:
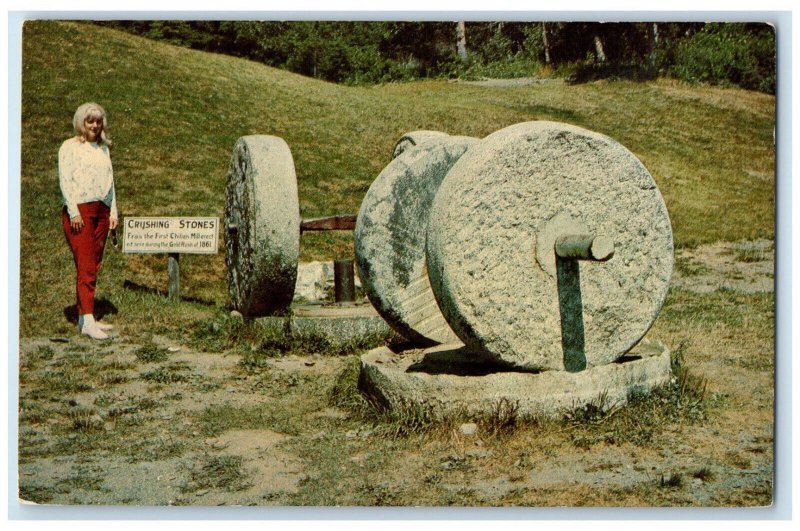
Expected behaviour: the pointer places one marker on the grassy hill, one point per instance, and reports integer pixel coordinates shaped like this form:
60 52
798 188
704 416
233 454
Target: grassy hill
175 115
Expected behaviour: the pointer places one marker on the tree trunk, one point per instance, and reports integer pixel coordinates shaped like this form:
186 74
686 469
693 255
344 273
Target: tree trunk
653 43
461 40
546 44
598 47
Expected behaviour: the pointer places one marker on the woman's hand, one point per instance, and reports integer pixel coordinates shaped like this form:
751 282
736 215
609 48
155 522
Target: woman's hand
112 223
76 223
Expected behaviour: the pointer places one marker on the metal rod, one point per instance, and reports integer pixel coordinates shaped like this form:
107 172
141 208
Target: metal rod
344 286
570 248
570 306
340 222
584 247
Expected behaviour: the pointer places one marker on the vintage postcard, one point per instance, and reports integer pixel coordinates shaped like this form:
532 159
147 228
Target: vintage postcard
477 263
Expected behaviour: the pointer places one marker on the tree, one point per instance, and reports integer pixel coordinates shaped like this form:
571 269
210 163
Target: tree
461 40
545 44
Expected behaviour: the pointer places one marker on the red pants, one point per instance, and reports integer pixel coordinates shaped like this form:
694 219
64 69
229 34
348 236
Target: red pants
87 249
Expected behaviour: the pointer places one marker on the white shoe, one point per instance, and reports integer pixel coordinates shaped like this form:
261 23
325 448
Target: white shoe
89 327
93 331
104 326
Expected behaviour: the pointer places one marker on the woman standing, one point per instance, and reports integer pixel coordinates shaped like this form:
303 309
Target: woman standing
90 206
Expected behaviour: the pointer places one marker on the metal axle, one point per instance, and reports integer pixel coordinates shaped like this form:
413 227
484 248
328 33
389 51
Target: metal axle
339 222
344 286
584 247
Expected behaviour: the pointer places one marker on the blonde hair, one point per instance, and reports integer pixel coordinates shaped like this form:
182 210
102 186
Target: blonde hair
91 110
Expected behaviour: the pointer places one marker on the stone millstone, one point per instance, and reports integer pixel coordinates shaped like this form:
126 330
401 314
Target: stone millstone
390 239
415 138
262 226
502 292
448 381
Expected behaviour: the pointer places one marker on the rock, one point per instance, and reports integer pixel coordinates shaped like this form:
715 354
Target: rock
390 236
459 383
498 287
470 428
338 325
261 202
313 279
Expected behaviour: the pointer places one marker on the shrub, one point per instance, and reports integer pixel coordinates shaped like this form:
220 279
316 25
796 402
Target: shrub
730 54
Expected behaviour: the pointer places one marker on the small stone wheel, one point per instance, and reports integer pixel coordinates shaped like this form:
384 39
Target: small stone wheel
415 138
262 226
490 247
390 239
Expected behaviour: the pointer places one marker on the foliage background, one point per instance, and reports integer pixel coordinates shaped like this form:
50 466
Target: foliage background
725 54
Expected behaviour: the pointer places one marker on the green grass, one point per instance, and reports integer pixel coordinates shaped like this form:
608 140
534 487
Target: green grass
175 115
218 419
168 374
218 472
753 255
151 353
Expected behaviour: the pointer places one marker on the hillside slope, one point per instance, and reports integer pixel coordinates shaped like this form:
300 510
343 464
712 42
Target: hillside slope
175 114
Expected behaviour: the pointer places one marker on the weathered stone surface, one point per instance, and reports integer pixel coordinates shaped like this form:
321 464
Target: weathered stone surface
415 138
449 380
338 325
315 280
503 293
390 239
262 207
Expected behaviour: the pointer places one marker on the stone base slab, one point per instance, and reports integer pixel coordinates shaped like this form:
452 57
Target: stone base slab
449 380
338 323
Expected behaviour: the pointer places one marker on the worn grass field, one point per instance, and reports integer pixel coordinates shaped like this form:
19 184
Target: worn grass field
189 407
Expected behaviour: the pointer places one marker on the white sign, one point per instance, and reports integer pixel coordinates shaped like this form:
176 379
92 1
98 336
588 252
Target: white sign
171 235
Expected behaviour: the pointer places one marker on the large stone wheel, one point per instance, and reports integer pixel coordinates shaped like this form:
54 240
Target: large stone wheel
262 226
390 239
490 244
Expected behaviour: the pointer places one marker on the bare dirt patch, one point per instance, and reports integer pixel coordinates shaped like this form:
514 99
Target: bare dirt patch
513 82
745 266
271 470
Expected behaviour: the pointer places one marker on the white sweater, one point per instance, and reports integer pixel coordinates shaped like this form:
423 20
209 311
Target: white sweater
85 175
